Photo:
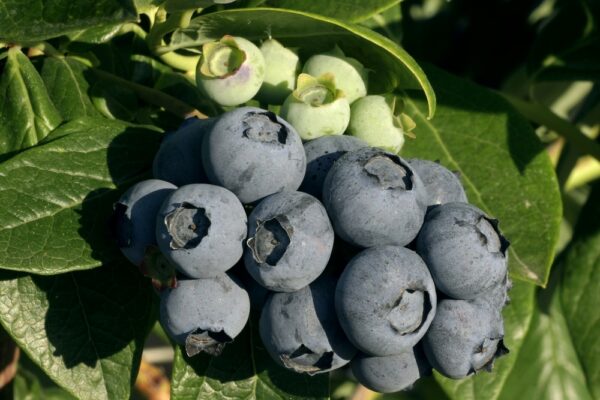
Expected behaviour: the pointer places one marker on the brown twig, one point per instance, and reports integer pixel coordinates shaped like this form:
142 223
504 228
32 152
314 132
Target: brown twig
9 359
152 383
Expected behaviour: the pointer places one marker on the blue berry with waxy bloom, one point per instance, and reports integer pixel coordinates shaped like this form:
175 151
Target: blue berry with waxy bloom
253 153
350 75
135 215
178 159
464 338
200 229
464 250
321 153
442 185
496 297
316 108
385 300
390 374
230 71
204 314
289 241
281 69
301 332
379 121
374 198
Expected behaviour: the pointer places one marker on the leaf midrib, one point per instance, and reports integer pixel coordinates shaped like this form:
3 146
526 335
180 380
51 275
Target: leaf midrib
74 80
29 112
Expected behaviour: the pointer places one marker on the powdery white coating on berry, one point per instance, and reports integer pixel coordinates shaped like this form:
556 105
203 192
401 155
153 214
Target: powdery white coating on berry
496 297
464 338
374 198
442 185
301 332
289 241
321 153
178 159
135 216
463 249
204 314
200 229
385 300
391 373
253 153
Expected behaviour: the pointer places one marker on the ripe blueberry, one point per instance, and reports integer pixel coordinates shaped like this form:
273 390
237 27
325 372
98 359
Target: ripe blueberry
301 332
204 314
289 241
200 229
178 158
321 153
253 153
385 300
442 185
464 250
464 337
134 217
374 198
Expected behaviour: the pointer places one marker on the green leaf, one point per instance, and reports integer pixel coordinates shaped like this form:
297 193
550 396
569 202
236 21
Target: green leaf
114 102
85 329
29 21
27 114
502 165
56 197
560 54
387 23
517 321
547 365
31 383
65 78
101 34
391 67
243 371
346 10
581 290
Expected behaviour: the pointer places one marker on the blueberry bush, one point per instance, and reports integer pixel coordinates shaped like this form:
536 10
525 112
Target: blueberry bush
503 93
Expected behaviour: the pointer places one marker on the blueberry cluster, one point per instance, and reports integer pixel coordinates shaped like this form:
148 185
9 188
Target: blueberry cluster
350 253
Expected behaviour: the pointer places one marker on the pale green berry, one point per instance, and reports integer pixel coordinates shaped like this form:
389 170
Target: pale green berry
350 75
282 66
230 71
316 108
379 121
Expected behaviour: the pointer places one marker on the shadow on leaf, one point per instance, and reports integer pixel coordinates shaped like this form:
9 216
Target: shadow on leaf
100 314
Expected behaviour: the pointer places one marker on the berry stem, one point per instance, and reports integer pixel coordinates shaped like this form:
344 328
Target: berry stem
153 96
541 115
163 25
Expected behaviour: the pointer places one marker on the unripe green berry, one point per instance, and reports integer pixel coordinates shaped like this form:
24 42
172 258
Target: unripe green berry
282 66
230 71
350 75
379 121
316 108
